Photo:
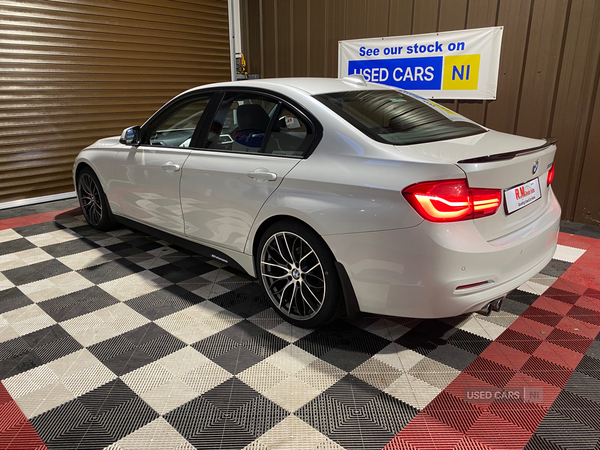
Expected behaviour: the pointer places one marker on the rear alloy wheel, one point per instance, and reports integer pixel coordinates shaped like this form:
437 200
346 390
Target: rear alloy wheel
93 201
297 271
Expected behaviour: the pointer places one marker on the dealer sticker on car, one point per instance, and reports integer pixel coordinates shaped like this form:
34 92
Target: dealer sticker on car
521 196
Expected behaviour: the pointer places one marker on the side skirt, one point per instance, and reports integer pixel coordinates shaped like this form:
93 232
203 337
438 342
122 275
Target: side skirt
181 242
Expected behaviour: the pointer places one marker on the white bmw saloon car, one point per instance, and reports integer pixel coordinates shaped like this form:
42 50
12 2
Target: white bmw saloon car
339 195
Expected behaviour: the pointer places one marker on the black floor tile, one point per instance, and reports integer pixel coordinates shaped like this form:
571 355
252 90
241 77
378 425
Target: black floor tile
237 360
250 299
172 273
591 231
69 247
521 297
265 344
40 228
578 409
15 365
345 357
452 356
36 272
110 271
22 211
14 246
567 433
12 299
570 227
215 345
419 343
77 303
128 361
242 331
555 268
166 301
513 307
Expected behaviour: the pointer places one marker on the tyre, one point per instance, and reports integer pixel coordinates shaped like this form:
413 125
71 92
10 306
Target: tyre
93 202
297 270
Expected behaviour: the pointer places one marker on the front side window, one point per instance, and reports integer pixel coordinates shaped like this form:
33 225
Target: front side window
394 117
176 127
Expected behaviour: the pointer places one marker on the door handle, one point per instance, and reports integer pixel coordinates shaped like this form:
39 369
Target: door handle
262 175
171 167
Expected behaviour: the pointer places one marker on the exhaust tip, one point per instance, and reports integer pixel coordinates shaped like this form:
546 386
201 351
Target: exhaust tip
486 310
496 304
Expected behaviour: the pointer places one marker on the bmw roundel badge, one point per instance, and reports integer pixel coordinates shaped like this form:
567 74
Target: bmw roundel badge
535 167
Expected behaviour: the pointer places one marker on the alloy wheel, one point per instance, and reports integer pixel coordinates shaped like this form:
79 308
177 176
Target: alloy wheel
89 197
293 275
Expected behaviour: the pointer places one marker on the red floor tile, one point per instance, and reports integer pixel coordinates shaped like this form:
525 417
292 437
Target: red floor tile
470 444
466 382
531 327
589 303
525 415
505 355
38 218
498 433
16 433
553 306
425 432
561 286
550 352
490 372
576 326
549 392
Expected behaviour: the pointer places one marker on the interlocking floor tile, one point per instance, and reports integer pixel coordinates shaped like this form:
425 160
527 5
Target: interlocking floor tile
31 272
118 340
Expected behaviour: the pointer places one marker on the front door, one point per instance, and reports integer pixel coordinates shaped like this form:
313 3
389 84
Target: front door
148 176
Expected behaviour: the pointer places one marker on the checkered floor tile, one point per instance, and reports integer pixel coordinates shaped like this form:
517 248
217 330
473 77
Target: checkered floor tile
117 340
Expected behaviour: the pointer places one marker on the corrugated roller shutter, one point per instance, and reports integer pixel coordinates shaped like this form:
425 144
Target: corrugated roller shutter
73 71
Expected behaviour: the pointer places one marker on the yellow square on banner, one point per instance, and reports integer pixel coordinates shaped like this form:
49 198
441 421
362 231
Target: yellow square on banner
461 72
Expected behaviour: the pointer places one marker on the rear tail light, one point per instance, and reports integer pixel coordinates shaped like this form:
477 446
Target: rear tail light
452 200
551 174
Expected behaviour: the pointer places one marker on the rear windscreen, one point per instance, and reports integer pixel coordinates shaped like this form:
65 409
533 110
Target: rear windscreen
398 118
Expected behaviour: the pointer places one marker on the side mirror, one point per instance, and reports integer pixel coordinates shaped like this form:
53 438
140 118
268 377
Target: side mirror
289 123
130 136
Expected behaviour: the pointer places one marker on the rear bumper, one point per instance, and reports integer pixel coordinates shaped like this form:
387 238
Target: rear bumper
415 272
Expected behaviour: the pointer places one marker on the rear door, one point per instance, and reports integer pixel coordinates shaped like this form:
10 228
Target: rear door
148 176
251 144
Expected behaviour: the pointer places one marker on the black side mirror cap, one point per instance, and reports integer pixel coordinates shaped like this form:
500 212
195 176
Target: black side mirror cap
130 136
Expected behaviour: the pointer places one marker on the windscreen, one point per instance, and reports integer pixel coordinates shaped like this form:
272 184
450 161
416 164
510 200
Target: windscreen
398 118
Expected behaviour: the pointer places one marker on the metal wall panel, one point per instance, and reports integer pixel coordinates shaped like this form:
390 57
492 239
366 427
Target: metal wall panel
549 67
73 71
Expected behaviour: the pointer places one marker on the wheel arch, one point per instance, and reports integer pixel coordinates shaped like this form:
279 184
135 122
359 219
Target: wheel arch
351 303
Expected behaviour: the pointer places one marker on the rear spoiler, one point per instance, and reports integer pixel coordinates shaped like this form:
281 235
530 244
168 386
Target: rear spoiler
509 155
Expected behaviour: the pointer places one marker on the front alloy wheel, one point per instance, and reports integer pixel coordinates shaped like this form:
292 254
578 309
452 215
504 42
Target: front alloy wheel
90 200
297 271
93 201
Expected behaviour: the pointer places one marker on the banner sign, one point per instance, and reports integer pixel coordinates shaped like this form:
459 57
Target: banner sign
453 64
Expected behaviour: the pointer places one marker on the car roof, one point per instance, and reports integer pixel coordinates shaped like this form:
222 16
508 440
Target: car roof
311 86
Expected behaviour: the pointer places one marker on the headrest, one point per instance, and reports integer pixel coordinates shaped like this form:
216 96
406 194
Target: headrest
252 117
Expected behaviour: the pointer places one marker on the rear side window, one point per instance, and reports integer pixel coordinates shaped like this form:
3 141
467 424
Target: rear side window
254 123
398 118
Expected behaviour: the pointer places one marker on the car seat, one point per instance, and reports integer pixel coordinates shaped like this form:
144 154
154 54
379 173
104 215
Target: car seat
253 122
